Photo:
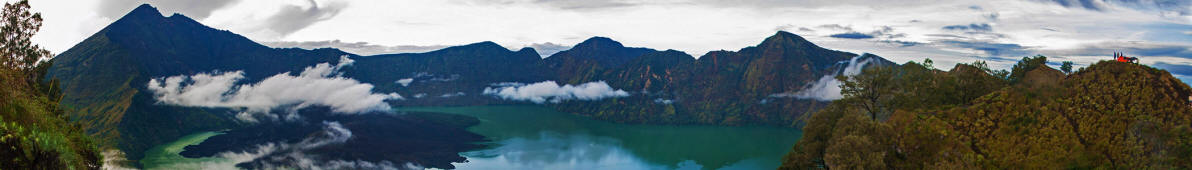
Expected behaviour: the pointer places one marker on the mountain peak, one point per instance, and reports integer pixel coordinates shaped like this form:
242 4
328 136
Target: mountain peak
598 42
528 50
487 46
145 10
783 37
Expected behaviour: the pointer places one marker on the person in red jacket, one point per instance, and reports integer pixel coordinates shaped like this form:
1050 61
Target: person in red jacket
1122 58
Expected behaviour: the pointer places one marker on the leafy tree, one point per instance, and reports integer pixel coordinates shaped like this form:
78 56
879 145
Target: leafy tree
1066 67
34 131
1026 64
18 54
869 90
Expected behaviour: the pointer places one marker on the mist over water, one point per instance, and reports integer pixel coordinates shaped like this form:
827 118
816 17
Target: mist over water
534 137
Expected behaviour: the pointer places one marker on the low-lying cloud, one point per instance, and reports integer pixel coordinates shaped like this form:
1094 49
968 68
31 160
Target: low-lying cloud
549 91
827 88
405 82
317 85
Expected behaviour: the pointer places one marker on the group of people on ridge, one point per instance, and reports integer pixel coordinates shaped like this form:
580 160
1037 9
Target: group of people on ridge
1122 58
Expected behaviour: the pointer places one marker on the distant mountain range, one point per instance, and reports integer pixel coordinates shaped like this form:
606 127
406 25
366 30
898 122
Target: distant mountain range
104 78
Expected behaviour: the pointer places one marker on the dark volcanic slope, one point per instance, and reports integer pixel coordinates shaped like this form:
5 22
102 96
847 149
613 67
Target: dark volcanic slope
104 77
466 69
589 59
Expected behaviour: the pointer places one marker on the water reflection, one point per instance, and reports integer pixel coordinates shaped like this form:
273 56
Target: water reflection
531 137
552 150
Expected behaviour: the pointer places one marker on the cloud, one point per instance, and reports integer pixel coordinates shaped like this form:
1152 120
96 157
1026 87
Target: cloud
883 32
198 9
1154 49
558 4
663 101
1180 69
983 27
292 18
989 48
827 88
361 48
708 25
852 35
426 77
450 95
1095 5
316 85
1167 7
405 82
545 91
992 16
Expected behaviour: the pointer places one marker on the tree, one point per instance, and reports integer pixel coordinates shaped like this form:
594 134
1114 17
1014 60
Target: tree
1066 67
1025 65
34 130
870 90
18 55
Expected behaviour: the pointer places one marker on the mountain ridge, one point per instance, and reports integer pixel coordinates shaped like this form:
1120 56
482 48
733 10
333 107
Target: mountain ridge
105 77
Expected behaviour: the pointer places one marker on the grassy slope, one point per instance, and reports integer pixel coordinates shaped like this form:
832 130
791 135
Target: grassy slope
35 132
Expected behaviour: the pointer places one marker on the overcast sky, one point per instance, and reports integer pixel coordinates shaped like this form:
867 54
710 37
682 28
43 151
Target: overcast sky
948 31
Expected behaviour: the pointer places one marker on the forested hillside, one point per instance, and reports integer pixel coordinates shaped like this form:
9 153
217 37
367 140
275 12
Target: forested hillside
1110 115
34 131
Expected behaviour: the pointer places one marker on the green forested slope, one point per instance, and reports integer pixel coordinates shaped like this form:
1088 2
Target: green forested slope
1108 115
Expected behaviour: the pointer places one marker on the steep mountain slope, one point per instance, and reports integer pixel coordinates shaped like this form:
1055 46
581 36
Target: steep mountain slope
104 77
451 76
1110 115
589 59
721 87
651 72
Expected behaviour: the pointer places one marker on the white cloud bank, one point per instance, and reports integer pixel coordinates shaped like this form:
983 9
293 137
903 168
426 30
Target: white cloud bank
316 85
827 88
545 91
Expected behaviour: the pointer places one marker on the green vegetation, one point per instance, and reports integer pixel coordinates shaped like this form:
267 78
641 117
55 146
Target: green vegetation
1109 115
1066 67
34 130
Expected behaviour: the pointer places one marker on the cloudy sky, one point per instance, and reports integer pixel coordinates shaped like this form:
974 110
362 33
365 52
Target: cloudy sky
948 31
